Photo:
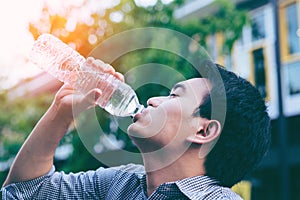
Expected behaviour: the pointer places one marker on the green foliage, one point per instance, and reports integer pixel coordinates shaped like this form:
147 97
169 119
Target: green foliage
17 118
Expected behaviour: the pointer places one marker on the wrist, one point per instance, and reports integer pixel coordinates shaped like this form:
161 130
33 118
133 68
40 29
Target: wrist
60 114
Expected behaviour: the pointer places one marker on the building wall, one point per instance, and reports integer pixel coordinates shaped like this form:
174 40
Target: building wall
254 57
289 20
253 45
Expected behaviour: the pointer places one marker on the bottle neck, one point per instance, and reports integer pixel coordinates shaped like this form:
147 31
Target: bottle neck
138 109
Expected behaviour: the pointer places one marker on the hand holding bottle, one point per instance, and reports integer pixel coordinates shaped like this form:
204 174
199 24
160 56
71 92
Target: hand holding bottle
68 98
67 65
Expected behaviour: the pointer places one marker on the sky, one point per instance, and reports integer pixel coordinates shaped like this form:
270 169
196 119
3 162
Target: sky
16 40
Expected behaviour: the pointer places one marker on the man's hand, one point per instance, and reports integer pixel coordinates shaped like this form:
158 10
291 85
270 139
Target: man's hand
69 102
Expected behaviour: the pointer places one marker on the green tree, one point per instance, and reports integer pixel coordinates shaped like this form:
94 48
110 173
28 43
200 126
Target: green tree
17 118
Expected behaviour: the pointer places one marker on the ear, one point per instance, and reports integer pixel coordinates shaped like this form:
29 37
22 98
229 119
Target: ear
206 133
207 136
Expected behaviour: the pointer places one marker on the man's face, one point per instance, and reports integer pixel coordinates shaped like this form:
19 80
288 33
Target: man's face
169 120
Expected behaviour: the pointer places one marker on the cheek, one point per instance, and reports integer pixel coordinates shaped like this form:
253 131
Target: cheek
169 121
166 118
149 125
180 123
160 123
163 124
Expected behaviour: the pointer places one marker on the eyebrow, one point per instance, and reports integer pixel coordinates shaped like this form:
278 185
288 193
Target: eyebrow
179 85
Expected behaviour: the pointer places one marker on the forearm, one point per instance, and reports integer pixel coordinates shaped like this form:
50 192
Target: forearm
35 158
36 155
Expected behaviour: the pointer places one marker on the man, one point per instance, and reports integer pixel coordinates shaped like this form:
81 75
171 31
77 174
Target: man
190 148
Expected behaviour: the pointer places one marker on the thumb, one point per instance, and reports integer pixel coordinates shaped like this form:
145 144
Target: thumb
91 97
82 103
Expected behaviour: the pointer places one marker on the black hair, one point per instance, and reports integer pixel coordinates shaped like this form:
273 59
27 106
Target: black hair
245 135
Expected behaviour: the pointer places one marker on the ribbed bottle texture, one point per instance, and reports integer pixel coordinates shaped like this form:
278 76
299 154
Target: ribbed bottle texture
67 65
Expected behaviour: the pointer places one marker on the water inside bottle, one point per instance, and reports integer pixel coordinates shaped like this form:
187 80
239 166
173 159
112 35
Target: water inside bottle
123 103
64 63
117 97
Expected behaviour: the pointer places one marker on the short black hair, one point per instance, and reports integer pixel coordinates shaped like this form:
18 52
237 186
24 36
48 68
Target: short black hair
245 136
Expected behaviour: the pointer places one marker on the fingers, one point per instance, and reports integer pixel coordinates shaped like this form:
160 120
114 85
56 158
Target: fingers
92 96
68 97
65 90
119 76
100 65
97 65
81 103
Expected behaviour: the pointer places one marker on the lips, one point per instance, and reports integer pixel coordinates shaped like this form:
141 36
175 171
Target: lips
137 116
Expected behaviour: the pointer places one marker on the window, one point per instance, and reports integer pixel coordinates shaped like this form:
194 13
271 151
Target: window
259 71
290 30
293 73
258 26
293 40
290 38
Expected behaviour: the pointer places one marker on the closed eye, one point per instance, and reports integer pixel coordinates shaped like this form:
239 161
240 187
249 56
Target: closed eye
178 89
172 95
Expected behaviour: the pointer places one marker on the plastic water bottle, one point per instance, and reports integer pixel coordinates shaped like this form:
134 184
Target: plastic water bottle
67 65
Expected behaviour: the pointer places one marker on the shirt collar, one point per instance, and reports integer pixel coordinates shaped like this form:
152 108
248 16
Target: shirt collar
197 186
169 189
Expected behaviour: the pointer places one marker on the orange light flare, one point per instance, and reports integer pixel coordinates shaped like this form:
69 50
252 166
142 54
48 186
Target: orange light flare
16 40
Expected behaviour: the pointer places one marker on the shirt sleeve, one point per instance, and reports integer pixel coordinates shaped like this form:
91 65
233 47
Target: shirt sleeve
58 185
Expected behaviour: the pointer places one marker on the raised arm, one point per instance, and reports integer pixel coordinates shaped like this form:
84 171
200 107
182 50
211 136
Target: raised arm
35 158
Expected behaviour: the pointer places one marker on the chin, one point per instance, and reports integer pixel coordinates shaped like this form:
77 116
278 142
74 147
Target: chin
134 130
141 130
130 129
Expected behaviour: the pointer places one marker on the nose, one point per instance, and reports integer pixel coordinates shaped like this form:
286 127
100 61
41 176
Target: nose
155 101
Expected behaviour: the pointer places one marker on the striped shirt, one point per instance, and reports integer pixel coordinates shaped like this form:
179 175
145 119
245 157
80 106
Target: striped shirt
117 183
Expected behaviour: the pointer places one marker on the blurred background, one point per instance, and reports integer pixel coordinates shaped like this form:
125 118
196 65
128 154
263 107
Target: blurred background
258 39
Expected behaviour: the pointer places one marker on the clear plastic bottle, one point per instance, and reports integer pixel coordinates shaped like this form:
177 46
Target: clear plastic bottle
67 65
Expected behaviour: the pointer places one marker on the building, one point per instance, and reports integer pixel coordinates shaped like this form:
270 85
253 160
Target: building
268 54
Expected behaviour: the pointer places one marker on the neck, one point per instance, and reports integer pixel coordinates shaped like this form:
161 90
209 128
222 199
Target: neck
160 170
